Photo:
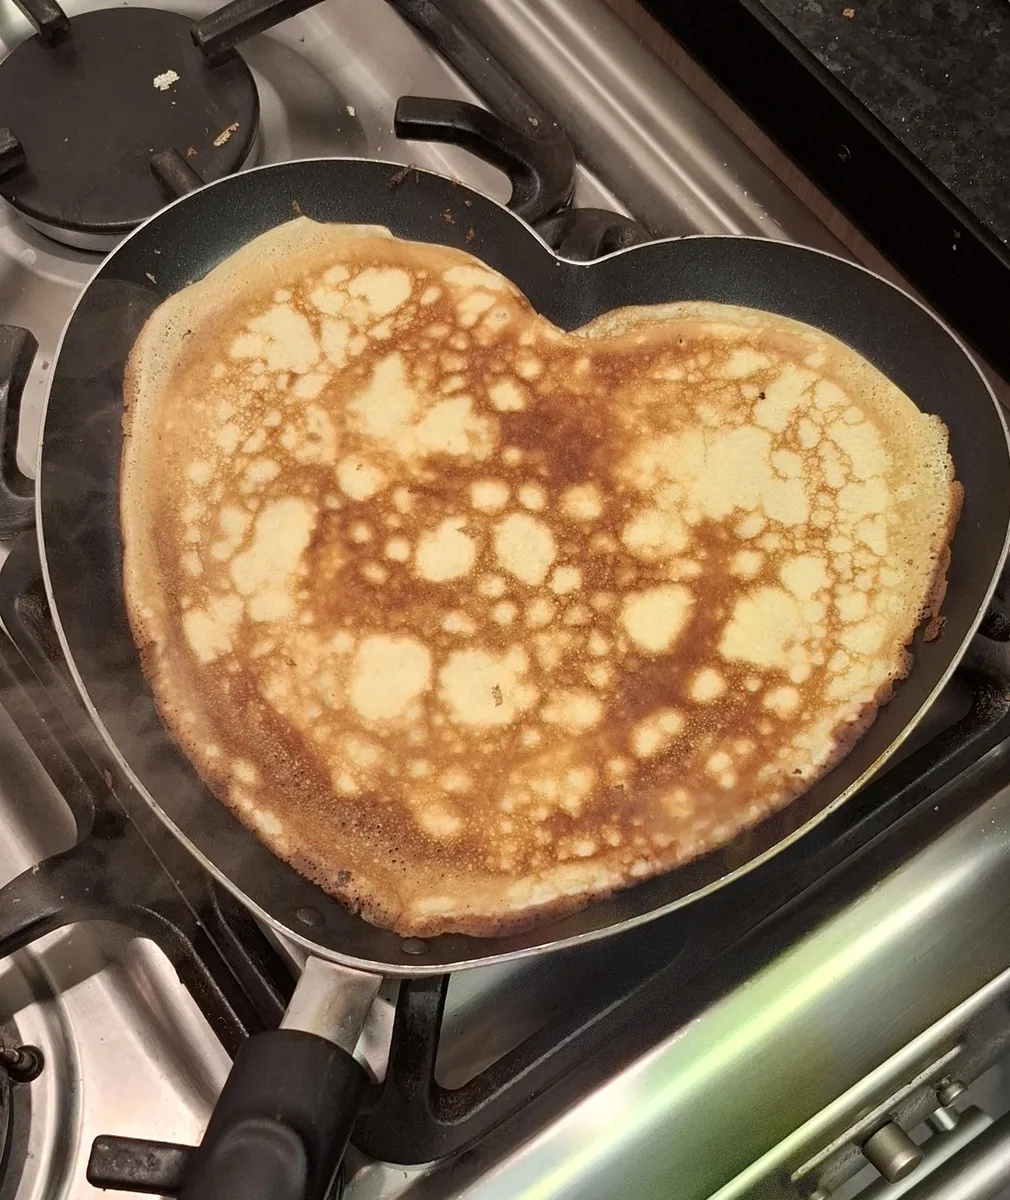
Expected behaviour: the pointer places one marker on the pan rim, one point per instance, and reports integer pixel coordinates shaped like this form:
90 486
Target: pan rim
418 968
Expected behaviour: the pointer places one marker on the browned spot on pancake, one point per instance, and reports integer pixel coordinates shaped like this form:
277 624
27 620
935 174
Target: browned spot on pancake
472 619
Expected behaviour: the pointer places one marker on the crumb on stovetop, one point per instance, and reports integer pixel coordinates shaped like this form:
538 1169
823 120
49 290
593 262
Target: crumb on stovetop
225 134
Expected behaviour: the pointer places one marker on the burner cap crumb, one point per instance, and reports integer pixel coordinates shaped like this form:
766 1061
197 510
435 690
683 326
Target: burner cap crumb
225 134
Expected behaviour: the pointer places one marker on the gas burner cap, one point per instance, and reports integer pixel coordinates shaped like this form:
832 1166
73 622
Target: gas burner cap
88 110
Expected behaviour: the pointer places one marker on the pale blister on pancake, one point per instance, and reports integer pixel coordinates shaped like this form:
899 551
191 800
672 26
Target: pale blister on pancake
473 620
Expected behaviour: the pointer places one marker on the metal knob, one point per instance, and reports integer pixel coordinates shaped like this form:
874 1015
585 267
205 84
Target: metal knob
892 1152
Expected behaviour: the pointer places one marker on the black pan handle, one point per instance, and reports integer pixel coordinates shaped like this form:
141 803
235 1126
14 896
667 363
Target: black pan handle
541 170
282 1123
17 503
284 1116
283 1120
221 31
49 20
278 1132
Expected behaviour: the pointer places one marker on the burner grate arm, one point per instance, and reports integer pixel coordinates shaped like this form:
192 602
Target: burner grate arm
50 21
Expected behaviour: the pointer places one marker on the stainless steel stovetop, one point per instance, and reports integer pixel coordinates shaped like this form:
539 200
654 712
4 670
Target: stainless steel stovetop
833 1020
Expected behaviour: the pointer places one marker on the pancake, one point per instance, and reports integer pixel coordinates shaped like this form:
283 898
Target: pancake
472 619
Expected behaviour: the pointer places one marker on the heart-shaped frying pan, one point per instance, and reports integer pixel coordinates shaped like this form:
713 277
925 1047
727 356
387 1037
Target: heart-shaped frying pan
258 1144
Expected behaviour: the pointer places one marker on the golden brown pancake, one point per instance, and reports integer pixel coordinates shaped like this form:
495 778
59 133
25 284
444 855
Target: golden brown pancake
471 619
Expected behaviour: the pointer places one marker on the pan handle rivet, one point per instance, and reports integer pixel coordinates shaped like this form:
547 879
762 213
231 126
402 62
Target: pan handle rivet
415 946
309 916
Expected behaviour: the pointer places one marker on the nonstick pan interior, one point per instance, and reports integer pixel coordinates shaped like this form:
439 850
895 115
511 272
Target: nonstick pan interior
79 476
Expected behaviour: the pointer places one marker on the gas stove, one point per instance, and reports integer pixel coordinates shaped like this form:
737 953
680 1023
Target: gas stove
770 1040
